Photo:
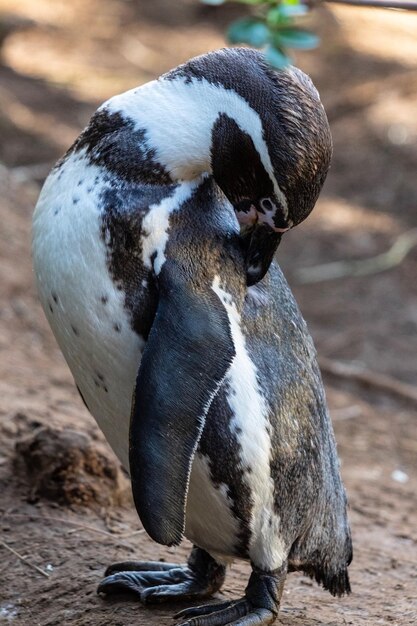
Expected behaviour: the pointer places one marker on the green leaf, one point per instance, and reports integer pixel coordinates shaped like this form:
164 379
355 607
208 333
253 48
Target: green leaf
276 57
294 38
276 17
249 30
216 2
283 14
293 10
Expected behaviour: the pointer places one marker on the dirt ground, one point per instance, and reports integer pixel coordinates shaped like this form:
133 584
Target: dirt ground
55 69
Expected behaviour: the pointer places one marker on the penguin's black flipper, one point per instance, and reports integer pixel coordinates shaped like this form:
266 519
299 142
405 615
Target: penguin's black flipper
187 355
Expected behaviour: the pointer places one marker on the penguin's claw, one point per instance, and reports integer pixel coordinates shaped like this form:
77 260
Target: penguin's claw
182 591
240 613
123 582
206 609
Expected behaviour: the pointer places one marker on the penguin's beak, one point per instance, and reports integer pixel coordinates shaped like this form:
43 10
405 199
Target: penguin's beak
259 245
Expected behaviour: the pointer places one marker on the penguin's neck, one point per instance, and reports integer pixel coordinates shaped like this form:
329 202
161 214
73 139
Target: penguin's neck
177 116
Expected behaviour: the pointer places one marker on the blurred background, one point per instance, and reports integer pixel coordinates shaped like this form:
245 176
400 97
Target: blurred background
64 507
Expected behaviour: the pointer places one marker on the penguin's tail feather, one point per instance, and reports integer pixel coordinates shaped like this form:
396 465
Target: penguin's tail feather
336 582
329 567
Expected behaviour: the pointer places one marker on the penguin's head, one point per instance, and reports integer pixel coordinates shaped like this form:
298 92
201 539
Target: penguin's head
270 146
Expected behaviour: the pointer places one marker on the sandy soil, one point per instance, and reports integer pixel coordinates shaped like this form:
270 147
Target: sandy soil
53 75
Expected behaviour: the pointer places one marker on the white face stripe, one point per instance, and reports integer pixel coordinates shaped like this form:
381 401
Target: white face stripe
179 115
250 424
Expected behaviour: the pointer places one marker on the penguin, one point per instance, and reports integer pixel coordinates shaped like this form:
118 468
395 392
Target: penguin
153 248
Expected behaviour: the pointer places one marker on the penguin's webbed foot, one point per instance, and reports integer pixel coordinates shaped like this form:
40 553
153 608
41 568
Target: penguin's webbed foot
156 582
259 607
236 613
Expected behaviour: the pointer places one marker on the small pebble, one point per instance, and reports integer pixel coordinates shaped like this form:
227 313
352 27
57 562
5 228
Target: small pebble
399 476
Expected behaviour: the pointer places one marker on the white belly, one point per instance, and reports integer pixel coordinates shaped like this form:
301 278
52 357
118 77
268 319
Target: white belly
210 523
85 310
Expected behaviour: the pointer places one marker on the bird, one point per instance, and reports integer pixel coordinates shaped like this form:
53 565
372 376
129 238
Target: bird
153 248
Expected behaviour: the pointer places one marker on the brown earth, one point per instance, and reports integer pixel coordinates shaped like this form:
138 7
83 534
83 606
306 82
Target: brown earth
54 73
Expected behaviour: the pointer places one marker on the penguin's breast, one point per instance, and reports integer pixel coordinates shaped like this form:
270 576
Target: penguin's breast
90 298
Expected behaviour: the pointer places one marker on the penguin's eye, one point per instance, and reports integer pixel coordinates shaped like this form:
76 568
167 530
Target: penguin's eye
267 205
273 214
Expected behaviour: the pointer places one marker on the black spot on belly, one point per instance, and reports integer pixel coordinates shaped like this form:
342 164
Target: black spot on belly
54 297
75 200
74 330
56 211
104 299
80 182
50 307
117 327
99 381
